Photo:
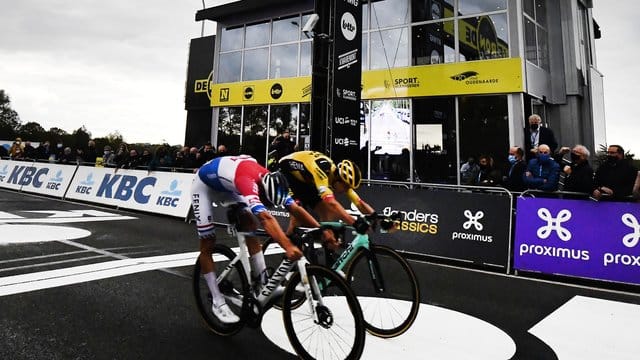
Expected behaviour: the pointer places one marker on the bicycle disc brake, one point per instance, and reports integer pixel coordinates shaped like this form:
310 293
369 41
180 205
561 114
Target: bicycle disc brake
254 313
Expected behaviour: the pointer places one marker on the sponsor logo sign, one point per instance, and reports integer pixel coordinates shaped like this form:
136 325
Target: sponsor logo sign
597 240
41 178
158 192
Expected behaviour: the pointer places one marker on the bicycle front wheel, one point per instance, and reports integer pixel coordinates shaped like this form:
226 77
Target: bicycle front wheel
387 289
338 331
233 285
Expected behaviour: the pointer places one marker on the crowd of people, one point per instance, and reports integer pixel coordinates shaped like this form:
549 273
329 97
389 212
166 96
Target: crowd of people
538 166
125 156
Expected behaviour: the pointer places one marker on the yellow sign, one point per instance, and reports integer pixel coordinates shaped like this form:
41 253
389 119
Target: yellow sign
471 77
275 91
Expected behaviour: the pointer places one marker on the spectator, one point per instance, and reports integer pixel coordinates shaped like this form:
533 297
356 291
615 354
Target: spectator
195 157
121 155
536 134
636 188
108 157
3 152
91 154
132 161
79 156
67 157
15 152
180 157
29 151
469 172
145 158
282 145
161 159
514 179
542 172
579 175
222 151
44 151
614 178
207 153
489 175
59 150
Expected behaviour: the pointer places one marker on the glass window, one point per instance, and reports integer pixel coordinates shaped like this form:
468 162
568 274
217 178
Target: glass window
255 65
389 48
365 16
483 37
529 7
543 49
283 117
304 141
306 58
231 39
285 30
469 7
433 43
388 13
229 120
434 153
229 67
484 128
257 35
541 12
365 51
284 61
431 10
530 41
254 132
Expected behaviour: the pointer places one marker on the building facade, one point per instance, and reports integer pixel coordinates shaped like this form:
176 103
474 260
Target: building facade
442 80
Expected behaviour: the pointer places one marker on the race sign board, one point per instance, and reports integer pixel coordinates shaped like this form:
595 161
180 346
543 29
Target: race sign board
465 226
165 193
41 178
581 238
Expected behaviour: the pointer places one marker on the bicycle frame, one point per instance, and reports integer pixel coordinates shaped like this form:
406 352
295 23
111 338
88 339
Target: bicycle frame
281 272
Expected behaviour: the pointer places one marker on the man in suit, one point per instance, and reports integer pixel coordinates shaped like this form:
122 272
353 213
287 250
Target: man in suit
536 134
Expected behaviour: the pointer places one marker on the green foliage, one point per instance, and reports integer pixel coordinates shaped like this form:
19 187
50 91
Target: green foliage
9 119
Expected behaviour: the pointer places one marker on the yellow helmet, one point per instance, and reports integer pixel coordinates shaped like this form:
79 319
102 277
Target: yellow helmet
349 173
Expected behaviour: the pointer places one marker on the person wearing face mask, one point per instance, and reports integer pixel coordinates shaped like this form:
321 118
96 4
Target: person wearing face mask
536 134
614 178
489 175
517 166
579 175
108 157
542 172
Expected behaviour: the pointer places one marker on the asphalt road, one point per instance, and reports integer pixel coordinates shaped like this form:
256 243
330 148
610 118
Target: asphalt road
84 282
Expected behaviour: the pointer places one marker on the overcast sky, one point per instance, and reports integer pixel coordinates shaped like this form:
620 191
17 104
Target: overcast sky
121 65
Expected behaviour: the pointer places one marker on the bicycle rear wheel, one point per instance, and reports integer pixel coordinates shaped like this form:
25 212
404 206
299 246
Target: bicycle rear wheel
233 286
339 332
388 293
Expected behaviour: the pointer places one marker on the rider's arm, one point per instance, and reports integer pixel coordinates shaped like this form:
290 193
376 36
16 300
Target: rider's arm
272 227
304 218
362 205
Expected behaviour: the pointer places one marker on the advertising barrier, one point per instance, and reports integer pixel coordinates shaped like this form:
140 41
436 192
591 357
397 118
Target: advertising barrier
165 193
41 178
466 226
596 240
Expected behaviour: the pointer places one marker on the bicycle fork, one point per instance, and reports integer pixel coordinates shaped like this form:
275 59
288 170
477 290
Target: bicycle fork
310 287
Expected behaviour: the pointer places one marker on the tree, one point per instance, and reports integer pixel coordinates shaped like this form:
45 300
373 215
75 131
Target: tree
80 138
9 119
33 131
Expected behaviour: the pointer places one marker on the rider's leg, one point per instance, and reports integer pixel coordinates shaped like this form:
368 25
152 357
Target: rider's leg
248 222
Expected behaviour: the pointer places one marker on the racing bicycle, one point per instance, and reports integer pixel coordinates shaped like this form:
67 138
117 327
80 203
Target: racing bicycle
385 283
326 321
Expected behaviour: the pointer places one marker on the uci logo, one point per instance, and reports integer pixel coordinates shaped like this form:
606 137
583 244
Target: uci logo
554 224
348 26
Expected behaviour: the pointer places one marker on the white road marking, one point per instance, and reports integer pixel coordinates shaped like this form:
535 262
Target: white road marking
21 234
437 333
586 328
65 220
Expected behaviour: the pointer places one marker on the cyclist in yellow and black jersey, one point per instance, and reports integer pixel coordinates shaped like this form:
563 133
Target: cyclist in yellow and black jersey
314 179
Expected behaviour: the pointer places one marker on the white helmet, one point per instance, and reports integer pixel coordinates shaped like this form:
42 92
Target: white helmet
276 188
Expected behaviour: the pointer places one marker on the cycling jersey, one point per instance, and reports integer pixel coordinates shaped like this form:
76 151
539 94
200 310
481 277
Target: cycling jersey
310 175
227 180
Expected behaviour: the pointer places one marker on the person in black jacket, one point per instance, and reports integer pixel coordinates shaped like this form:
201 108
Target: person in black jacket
615 177
579 175
536 134
513 180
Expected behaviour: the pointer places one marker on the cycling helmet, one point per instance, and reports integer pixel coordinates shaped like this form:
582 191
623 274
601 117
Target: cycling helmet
349 173
276 188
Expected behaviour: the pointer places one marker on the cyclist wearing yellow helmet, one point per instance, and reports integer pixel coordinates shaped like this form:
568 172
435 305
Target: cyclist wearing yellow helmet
314 179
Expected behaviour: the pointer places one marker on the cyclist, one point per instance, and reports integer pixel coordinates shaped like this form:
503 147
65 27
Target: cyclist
314 179
241 180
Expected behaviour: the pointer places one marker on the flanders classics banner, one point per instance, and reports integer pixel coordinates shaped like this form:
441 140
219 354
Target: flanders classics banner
347 74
